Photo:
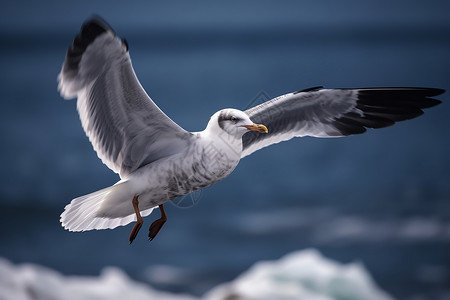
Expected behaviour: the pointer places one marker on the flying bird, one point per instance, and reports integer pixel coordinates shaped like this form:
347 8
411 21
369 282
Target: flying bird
158 161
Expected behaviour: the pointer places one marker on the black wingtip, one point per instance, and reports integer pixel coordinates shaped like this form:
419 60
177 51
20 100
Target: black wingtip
315 88
90 30
433 91
99 21
382 107
125 42
413 97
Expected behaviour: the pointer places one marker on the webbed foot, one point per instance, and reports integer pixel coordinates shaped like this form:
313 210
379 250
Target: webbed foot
158 224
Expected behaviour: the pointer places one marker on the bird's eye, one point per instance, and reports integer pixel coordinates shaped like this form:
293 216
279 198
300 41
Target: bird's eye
233 119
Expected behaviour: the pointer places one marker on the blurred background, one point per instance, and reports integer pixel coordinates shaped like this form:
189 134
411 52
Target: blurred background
382 198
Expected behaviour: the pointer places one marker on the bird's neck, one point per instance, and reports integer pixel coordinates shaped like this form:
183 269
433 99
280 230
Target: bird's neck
221 143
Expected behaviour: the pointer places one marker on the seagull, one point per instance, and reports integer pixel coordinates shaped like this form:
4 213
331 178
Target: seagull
158 161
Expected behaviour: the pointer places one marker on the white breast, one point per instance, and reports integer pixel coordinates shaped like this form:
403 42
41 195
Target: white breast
205 162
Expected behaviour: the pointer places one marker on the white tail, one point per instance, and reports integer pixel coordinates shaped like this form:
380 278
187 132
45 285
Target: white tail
96 210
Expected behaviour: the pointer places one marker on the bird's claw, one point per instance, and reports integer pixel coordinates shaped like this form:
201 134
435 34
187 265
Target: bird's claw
135 231
155 228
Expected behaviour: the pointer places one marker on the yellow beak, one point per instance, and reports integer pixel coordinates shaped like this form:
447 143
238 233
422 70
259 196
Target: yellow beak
257 127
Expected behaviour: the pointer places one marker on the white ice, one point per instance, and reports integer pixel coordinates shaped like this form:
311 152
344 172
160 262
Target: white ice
300 275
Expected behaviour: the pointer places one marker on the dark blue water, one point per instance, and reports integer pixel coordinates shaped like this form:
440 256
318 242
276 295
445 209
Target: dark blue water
382 198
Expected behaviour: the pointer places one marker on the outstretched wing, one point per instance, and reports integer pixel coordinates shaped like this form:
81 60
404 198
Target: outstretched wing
334 113
125 127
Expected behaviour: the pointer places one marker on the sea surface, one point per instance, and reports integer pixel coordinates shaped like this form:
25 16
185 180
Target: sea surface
382 198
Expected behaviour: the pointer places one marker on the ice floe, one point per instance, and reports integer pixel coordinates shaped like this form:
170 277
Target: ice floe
300 275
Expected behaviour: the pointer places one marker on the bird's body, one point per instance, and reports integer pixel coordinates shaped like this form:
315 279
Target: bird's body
204 162
159 161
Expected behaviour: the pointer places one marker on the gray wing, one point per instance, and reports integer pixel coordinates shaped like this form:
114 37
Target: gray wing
125 127
334 112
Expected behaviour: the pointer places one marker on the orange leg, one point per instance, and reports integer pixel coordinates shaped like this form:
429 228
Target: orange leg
158 224
139 221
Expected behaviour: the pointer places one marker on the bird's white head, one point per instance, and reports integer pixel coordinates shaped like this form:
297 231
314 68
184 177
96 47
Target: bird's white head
232 122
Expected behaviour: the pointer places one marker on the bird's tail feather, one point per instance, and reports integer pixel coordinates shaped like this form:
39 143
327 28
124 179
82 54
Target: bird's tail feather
82 213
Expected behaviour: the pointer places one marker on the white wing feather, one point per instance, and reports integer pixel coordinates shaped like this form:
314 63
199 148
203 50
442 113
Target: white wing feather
334 113
125 127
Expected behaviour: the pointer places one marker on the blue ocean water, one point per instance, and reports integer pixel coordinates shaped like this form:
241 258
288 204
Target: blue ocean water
381 198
